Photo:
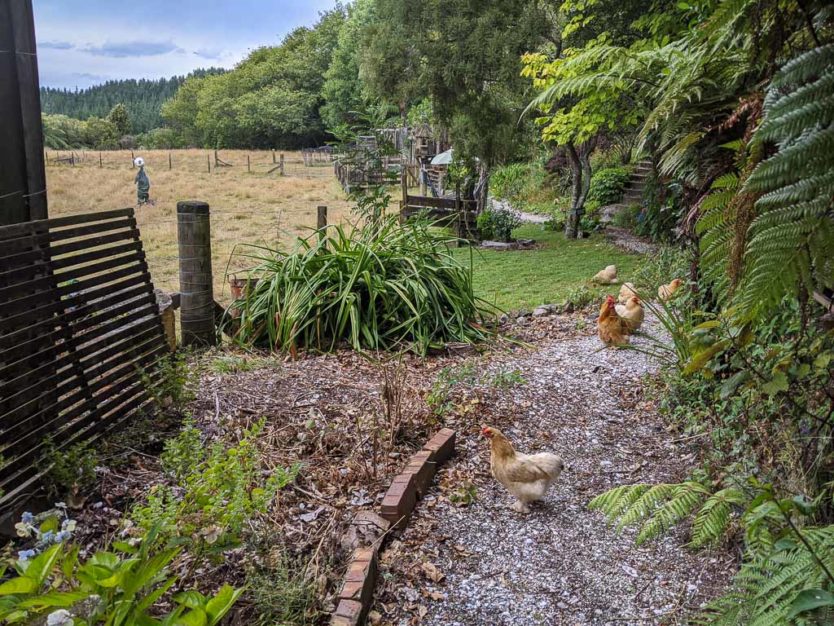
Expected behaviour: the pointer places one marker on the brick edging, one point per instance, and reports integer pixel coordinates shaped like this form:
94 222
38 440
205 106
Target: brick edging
367 529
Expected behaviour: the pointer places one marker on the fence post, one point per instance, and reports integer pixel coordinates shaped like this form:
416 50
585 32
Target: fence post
248 166
100 164
404 185
321 217
208 163
273 157
281 161
132 161
196 291
169 162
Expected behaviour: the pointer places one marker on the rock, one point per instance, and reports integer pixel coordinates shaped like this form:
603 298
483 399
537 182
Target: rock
521 321
541 311
504 318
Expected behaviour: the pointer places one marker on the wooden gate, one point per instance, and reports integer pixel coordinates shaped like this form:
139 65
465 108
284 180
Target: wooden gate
80 334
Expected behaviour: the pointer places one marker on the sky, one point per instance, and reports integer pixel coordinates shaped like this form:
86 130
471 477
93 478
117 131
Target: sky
86 42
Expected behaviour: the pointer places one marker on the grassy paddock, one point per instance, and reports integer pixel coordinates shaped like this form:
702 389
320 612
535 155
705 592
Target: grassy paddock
267 209
257 207
519 279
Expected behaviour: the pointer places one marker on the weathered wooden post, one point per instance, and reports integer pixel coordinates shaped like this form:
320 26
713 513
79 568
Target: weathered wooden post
170 166
248 166
273 157
404 185
208 163
197 294
321 217
281 162
100 163
132 160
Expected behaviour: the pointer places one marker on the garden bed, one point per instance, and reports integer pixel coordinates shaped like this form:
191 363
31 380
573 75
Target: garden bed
351 423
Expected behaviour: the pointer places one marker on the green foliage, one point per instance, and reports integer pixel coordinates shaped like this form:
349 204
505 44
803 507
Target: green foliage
63 133
439 397
213 491
281 591
498 223
117 587
171 381
161 139
382 286
792 235
507 379
528 187
661 267
142 98
120 119
271 99
607 185
627 217
71 471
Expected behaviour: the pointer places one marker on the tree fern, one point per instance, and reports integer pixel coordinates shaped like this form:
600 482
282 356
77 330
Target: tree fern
792 235
770 588
657 508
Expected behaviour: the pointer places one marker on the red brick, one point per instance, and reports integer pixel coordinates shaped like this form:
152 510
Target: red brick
400 499
360 577
422 467
348 613
442 445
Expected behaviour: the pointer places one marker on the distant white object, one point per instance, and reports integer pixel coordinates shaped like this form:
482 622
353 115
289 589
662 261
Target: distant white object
139 161
444 158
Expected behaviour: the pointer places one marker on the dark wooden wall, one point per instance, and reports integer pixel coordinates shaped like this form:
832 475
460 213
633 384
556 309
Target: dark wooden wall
22 177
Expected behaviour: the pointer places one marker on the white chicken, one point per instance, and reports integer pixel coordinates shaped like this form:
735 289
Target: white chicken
526 476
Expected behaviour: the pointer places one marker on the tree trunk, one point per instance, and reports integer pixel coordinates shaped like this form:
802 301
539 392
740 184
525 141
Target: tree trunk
482 188
580 167
572 221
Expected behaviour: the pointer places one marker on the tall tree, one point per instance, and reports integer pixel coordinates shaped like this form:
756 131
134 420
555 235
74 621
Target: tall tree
120 119
465 55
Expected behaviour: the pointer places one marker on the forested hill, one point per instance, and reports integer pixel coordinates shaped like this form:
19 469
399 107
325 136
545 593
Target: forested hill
143 99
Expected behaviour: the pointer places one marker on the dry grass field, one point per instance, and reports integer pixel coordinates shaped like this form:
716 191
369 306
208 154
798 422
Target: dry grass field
246 207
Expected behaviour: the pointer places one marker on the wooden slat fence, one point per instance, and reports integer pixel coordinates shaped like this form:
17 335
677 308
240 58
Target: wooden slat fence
457 213
79 328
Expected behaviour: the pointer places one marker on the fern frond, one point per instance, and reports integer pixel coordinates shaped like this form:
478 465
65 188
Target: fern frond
768 582
712 520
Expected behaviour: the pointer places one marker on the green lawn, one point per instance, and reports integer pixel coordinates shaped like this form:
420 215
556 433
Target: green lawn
523 279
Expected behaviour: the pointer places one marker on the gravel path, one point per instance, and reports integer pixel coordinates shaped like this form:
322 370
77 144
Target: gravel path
529 218
561 564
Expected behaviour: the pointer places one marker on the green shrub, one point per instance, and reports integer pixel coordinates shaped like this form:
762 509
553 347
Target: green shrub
212 491
607 185
71 472
509 182
498 224
120 586
627 217
385 285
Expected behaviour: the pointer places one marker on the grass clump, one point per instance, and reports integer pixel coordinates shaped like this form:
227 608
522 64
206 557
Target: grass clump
385 285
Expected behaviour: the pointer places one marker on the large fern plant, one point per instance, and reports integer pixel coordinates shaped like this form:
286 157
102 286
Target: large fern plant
790 238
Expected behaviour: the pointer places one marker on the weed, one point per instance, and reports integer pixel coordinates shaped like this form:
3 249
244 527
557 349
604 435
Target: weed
281 591
506 379
71 472
438 398
214 491
171 381
464 495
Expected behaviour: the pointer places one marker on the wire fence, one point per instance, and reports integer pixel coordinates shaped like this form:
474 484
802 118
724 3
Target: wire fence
254 162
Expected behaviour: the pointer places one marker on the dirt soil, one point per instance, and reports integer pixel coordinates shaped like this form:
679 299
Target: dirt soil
467 559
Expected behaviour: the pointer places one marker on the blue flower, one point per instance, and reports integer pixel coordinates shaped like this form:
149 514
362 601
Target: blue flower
47 536
62 536
27 518
25 555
